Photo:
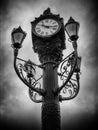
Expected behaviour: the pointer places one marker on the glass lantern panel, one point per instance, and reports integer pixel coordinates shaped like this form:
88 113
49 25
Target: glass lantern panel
71 29
18 37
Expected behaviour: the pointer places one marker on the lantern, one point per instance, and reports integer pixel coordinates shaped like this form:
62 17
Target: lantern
18 35
72 28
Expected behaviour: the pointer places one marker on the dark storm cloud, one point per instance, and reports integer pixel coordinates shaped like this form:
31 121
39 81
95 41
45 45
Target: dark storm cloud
4 5
93 47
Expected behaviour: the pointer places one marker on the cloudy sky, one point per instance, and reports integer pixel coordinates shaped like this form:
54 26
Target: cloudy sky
16 108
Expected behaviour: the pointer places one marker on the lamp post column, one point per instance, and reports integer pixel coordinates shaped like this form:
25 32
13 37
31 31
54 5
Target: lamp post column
48 38
50 106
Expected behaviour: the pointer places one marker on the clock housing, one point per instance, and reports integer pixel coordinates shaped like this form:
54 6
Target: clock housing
45 29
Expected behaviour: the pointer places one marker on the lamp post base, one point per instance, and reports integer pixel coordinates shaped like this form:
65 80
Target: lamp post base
51 116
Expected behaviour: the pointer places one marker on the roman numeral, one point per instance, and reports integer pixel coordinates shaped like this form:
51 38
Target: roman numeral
42 32
46 33
46 20
38 31
51 31
54 28
51 21
54 22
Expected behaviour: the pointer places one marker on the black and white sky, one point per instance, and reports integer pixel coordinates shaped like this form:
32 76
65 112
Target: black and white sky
16 108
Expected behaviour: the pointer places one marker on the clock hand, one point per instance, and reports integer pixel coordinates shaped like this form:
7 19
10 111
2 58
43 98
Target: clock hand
52 26
46 26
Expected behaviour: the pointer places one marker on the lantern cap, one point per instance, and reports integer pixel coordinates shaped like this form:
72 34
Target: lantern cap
19 29
71 20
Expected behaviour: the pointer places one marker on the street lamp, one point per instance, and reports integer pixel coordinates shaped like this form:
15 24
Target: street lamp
48 39
72 28
18 35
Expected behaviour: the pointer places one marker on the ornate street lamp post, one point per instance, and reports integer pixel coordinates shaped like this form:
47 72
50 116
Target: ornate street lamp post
48 38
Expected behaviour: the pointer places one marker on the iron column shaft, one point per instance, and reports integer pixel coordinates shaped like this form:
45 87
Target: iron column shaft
50 106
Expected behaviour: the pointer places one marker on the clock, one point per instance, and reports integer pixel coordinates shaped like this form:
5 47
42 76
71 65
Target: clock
47 27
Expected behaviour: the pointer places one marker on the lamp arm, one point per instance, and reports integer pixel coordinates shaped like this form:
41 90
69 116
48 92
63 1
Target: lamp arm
57 91
63 60
39 91
76 93
40 66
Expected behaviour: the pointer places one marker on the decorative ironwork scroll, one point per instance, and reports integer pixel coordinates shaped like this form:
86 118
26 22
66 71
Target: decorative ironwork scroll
26 71
71 89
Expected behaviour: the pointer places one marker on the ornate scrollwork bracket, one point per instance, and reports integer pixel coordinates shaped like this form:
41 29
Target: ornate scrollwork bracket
69 73
26 71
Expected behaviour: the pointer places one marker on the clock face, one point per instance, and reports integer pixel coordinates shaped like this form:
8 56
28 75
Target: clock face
47 27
